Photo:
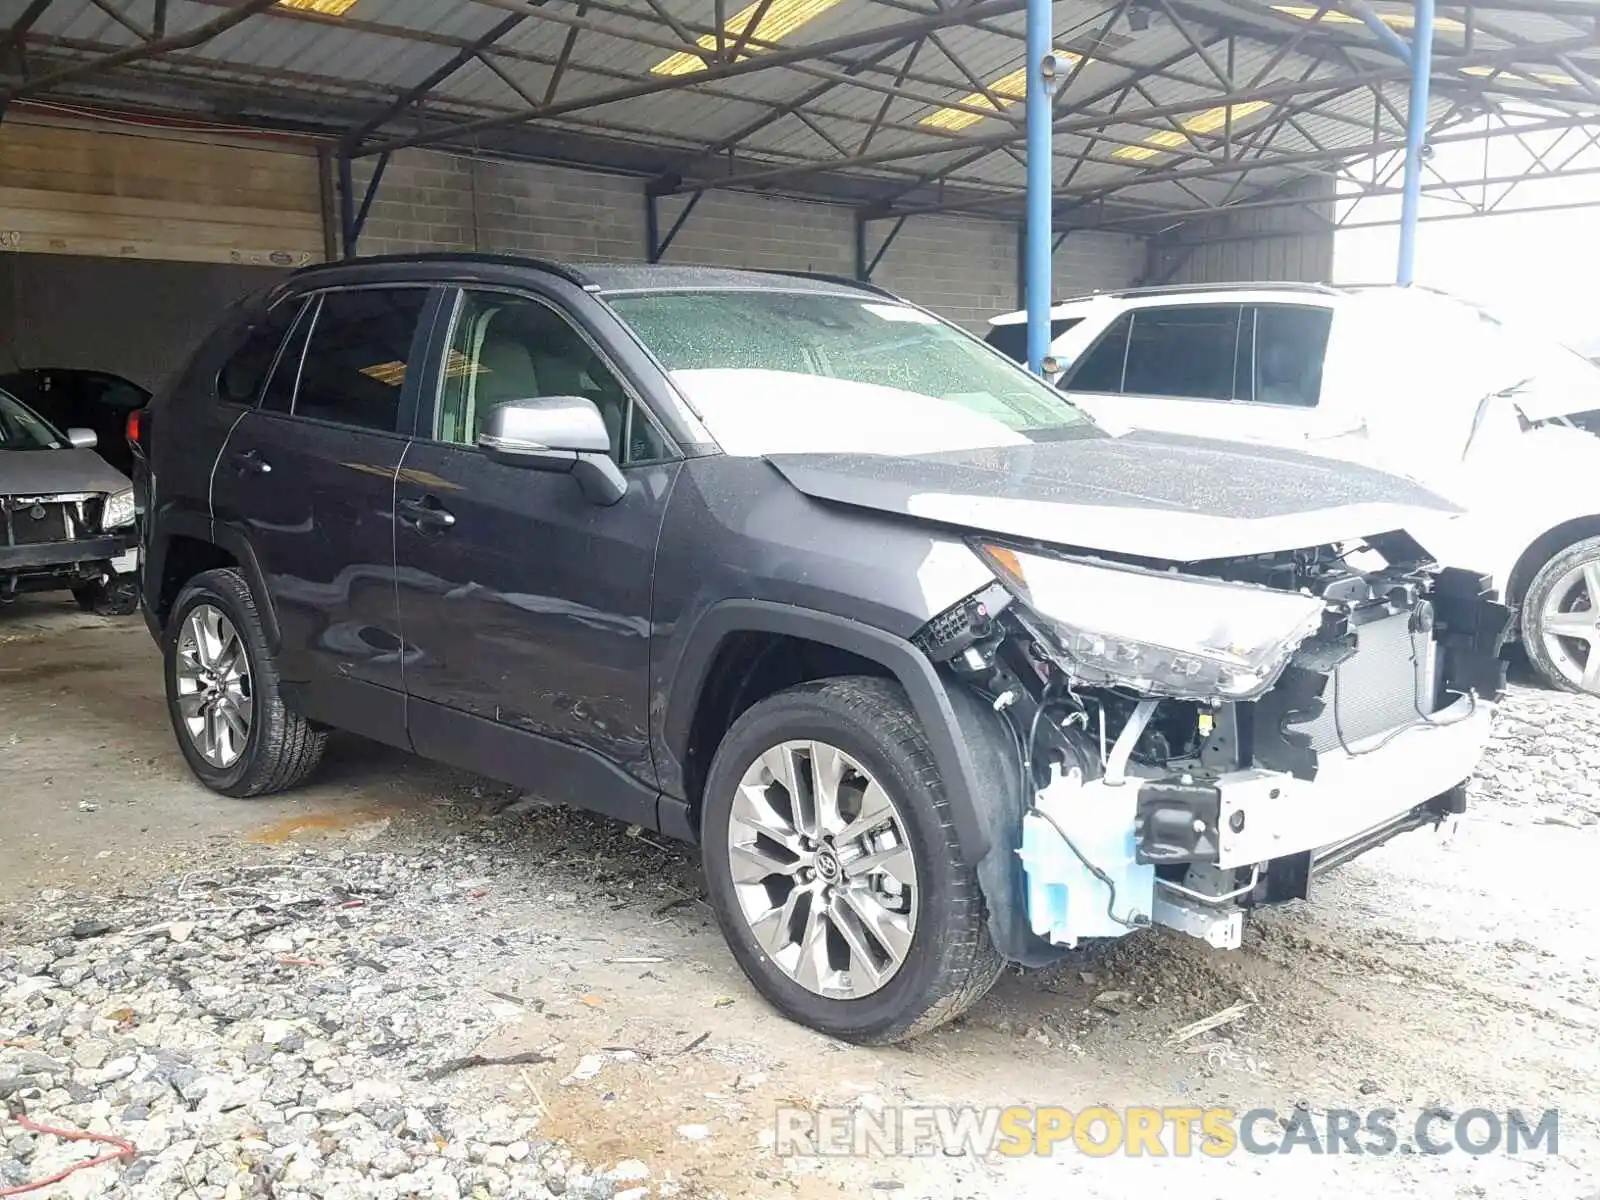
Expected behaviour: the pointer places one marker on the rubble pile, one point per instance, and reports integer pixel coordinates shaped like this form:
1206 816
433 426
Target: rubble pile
266 1030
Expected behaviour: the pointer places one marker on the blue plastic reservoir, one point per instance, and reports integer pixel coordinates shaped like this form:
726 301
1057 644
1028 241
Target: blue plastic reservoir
1065 901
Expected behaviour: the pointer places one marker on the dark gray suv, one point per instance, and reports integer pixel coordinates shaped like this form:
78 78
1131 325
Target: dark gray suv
939 673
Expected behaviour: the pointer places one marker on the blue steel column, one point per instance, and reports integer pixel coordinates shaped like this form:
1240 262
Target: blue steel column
1040 180
1416 133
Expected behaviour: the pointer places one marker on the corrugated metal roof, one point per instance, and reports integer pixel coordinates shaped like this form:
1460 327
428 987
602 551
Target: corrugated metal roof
343 71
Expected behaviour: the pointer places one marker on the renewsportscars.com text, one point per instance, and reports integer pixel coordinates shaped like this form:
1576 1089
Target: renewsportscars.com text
1157 1132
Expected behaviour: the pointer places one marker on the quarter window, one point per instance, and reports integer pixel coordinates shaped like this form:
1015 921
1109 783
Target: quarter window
244 373
355 364
279 393
506 348
1012 339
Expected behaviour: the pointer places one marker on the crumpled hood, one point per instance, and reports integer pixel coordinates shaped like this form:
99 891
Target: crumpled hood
1148 495
50 472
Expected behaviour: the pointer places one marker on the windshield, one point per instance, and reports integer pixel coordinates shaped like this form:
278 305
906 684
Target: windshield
798 371
22 429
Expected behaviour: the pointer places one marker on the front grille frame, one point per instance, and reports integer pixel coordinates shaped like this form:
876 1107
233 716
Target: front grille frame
78 514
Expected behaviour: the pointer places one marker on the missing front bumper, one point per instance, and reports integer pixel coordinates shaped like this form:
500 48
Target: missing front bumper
1268 825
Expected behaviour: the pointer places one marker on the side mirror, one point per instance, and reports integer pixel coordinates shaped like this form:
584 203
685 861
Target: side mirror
563 434
82 439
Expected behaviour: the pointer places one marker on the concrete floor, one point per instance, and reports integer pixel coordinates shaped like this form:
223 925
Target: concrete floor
1459 972
93 791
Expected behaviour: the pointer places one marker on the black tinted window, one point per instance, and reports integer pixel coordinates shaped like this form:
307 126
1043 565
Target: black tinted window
1290 343
1012 340
279 393
246 369
355 365
1100 370
1187 351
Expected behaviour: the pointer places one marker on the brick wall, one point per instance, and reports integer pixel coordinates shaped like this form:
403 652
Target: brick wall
962 268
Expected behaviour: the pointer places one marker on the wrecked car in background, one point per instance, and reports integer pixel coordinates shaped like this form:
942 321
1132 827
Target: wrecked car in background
66 516
937 672
1499 419
70 397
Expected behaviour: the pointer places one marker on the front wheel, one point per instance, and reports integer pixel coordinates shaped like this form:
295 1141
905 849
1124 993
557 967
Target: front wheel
1561 619
833 866
233 727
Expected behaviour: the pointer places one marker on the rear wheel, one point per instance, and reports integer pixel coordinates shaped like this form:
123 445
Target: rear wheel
1561 619
833 867
233 727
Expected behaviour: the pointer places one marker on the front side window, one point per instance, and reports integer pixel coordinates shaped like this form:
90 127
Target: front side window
507 348
1291 342
23 429
355 362
245 371
1187 352
773 371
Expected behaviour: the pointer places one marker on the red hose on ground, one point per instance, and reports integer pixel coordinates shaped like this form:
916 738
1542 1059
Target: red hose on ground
126 1151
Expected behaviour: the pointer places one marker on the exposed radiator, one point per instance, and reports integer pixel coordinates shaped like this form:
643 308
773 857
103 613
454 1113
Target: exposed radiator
1380 688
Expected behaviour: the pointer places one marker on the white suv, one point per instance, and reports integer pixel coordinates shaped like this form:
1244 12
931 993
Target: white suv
1417 382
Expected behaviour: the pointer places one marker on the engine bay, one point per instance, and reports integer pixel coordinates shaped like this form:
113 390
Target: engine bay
1132 810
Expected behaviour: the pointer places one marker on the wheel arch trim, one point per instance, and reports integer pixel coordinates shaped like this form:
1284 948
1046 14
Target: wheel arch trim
229 539
909 666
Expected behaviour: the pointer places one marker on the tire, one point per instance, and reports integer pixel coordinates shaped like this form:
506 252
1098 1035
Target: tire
950 962
1558 669
281 748
119 598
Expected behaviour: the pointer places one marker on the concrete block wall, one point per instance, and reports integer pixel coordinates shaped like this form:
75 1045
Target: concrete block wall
424 202
735 229
963 268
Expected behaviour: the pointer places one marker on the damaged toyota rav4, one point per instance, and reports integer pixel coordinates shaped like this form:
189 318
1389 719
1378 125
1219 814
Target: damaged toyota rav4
938 673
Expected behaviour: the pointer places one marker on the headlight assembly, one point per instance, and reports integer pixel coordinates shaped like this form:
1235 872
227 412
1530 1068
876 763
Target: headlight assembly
118 511
1163 635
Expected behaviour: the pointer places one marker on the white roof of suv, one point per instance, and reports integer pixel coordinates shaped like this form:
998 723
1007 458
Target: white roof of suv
1075 306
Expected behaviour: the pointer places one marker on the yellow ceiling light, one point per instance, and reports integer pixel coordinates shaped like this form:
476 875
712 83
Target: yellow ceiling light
1395 20
779 19
328 8
1201 124
1007 90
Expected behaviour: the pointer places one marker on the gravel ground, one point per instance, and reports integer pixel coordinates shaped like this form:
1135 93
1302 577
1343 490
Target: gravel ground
408 982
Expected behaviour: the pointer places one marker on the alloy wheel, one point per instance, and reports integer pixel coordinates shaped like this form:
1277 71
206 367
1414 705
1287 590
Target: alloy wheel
822 869
215 698
1569 624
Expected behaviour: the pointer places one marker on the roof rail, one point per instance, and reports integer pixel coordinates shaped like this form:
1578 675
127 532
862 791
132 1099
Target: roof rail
864 285
1242 285
561 270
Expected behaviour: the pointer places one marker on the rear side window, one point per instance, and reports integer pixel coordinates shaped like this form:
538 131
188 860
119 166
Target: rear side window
1188 351
355 364
1100 370
1290 344
241 378
1012 340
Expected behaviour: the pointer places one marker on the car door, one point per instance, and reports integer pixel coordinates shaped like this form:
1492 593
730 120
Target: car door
524 606
307 477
